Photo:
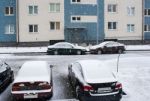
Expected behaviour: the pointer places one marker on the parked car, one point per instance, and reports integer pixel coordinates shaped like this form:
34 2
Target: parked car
65 48
6 75
108 47
92 80
34 81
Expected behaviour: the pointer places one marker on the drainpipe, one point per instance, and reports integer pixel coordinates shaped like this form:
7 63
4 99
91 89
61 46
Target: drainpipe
17 21
97 35
143 19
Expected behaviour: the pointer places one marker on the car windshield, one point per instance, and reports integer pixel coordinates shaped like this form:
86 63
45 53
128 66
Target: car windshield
2 66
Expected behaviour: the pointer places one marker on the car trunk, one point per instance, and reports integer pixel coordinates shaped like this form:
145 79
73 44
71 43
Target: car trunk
102 88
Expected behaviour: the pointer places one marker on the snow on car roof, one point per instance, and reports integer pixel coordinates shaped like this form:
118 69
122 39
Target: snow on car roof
96 71
33 71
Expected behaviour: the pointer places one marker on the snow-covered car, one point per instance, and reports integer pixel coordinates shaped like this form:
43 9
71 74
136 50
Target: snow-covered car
92 80
6 75
65 48
33 81
107 47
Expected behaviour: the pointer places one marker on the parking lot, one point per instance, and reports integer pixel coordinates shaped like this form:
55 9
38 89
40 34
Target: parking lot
134 72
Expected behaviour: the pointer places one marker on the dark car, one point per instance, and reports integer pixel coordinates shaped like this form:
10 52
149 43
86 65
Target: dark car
108 47
65 48
6 75
91 80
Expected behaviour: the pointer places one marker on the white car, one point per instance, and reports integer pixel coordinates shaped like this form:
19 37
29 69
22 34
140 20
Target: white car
92 80
34 81
65 48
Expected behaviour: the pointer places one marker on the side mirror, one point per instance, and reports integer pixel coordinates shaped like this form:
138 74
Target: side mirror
51 66
70 65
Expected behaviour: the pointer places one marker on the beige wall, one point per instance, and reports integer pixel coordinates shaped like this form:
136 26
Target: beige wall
42 19
122 18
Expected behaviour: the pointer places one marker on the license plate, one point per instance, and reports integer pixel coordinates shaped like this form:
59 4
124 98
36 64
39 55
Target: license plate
107 89
30 96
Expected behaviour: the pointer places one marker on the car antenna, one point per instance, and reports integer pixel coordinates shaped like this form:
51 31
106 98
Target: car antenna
118 62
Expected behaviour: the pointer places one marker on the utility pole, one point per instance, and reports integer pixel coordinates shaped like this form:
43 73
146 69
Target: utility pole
97 36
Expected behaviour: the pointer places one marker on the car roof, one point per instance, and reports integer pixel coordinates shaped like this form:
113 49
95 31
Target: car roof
63 43
96 71
33 71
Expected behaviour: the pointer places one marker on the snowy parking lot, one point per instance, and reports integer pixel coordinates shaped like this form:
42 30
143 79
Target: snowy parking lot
134 73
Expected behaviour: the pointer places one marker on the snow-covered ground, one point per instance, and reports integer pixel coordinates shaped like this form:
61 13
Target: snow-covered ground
44 49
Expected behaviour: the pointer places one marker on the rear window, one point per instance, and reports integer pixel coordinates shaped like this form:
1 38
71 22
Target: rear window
2 67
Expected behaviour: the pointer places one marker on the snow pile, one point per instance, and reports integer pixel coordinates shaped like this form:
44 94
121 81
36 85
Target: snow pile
137 47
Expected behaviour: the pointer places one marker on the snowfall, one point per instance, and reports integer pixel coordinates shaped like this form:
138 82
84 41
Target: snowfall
133 68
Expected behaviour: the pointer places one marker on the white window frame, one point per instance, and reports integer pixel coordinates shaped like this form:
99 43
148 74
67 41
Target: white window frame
130 28
55 25
111 6
55 7
9 11
147 28
77 18
131 10
147 10
76 2
33 10
33 28
10 29
112 25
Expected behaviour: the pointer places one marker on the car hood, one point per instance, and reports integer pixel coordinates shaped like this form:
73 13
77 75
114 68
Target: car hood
80 47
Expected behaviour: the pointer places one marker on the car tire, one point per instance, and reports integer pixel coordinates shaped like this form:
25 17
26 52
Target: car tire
99 52
77 92
56 52
120 51
79 52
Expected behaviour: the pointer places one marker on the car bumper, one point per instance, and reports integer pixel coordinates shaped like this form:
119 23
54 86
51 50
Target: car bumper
31 95
89 97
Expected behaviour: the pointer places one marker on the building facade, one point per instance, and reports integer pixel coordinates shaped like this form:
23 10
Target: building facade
84 20
7 20
41 20
147 20
123 19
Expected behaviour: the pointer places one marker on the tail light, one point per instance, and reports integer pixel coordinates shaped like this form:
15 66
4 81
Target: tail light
87 88
118 86
17 86
44 85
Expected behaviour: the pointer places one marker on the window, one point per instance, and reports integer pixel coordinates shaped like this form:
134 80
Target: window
131 11
130 27
112 8
10 29
112 25
147 12
75 1
33 9
147 28
54 25
33 28
9 10
76 18
54 7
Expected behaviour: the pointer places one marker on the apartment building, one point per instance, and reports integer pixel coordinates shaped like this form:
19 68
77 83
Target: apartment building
123 19
40 20
7 20
146 20
84 20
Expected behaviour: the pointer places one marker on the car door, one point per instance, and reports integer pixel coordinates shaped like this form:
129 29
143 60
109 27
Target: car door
109 47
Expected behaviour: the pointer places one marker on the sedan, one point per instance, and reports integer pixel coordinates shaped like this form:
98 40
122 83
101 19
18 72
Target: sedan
108 47
92 80
6 75
34 81
65 48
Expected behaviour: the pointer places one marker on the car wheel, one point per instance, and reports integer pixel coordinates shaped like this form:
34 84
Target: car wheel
99 52
79 52
120 51
56 52
77 92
